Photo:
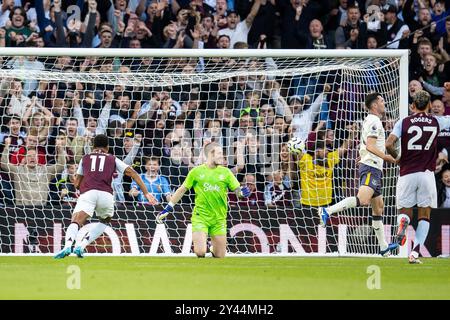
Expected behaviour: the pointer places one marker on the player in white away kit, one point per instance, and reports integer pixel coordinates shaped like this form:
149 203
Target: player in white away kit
94 178
372 153
416 184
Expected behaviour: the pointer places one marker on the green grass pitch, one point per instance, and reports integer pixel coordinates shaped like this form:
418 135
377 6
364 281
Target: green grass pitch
230 278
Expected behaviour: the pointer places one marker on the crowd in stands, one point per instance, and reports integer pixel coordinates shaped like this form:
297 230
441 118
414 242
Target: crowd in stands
47 126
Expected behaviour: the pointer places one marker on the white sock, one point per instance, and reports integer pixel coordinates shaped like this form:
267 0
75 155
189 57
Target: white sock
345 204
95 232
378 227
421 234
401 216
71 235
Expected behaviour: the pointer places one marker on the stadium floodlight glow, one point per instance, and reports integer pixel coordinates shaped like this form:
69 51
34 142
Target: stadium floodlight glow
211 80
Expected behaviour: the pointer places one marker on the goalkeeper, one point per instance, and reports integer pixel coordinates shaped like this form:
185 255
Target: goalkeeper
211 182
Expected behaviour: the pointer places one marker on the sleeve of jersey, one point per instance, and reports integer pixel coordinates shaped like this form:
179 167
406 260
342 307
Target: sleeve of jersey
233 183
80 168
444 122
189 181
373 129
397 131
121 166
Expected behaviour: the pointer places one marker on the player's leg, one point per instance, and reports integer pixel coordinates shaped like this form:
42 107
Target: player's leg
423 227
363 198
426 199
370 180
199 235
378 226
219 244
406 198
218 233
95 232
83 210
79 218
403 221
105 211
199 239
377 221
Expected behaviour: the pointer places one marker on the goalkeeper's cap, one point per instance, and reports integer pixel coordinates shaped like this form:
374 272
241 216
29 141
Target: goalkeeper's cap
421 100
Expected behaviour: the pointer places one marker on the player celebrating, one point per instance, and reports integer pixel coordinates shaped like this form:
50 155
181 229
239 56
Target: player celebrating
372 153
94 177
416 184
211 182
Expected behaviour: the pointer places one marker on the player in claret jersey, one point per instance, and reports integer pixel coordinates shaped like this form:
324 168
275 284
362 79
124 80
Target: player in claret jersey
416 185
94 178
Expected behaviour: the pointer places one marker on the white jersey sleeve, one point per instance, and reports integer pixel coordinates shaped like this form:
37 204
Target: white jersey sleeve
444 122
121 166
80 168
397 131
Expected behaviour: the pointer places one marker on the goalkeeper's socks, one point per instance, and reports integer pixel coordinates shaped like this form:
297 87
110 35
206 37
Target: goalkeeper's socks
71 234
347 203
421 232
378 227
96 231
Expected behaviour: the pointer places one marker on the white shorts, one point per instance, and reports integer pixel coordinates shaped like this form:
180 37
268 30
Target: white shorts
417 188
101 202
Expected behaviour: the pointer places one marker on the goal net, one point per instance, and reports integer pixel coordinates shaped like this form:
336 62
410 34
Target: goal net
159 109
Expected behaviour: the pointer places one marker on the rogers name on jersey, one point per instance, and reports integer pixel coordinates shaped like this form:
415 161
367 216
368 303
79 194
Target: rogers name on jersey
421 119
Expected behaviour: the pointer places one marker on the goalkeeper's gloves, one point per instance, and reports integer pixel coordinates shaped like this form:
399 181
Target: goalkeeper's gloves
245 192
163 214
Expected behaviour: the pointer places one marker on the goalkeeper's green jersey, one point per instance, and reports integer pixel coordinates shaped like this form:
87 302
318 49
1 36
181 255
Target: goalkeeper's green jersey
211 188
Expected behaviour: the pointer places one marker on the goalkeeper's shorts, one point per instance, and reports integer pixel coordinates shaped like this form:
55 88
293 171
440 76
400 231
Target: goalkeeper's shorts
214 227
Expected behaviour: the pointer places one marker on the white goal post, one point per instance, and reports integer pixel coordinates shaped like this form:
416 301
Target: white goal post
163 105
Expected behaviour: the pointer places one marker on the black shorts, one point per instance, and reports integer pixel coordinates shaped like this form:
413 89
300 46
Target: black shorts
371 177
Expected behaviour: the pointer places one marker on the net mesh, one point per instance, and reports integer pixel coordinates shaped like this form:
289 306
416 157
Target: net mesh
165 110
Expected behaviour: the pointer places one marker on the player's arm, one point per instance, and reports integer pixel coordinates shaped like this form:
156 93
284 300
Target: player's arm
390 145
392 140
172 202
234 185
130 172
79 176
77 182
371 146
